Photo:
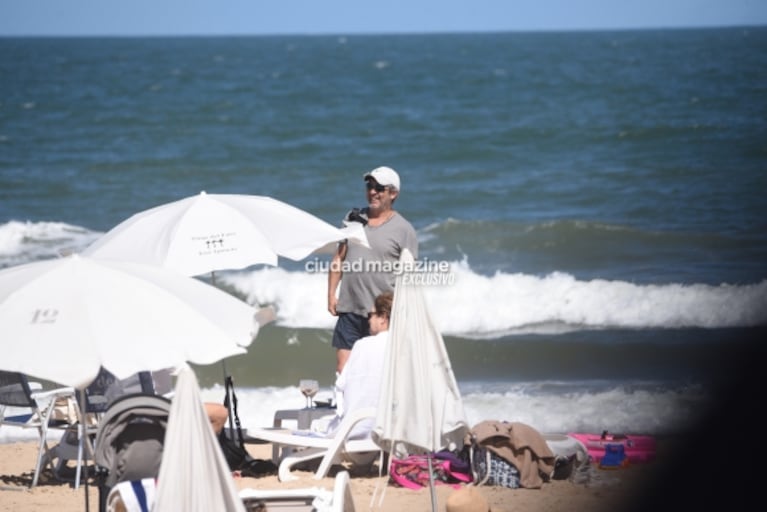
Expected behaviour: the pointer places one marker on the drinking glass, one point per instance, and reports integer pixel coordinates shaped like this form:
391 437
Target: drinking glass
309 388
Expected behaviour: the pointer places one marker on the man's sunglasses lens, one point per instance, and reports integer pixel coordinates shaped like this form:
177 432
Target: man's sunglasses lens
375 186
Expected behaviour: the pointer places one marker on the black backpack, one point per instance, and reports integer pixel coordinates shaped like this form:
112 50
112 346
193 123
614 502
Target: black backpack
233 443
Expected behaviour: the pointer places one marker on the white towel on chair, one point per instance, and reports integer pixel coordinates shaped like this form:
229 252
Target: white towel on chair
136 495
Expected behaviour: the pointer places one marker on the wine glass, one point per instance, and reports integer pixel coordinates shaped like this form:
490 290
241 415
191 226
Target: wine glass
309 388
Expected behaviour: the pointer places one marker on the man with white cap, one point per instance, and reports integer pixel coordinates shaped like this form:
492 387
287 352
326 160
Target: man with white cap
365 273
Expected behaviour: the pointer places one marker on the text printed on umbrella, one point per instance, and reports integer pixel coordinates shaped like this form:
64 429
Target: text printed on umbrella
45 316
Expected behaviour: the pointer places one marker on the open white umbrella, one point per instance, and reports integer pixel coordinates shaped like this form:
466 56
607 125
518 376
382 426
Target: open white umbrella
194 475
209 232
420 409
63 319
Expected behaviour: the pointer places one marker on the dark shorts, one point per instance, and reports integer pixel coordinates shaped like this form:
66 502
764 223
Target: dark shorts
349 328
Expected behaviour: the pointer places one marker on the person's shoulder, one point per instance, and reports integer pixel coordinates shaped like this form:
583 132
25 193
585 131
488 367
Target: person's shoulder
365 340
401 219
370 339
380 337
407 232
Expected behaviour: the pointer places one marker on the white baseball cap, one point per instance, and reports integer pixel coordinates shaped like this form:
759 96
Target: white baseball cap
385 176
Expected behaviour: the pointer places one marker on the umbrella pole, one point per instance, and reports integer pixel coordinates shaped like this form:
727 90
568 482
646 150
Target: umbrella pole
223 366
431 484
213 283
83 433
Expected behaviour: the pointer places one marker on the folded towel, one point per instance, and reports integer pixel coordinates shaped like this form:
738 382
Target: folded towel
136 495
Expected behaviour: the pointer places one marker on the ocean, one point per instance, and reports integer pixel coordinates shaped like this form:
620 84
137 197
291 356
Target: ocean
599 196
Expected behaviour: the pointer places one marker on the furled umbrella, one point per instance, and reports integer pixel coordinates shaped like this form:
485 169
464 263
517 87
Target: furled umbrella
194 475
420 409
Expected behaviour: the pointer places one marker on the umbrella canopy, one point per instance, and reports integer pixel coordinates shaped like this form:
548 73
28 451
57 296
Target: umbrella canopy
211 232
420 408
63 319
194 475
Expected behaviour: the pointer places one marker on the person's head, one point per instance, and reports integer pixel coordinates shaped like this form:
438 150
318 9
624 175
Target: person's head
378 318
383 186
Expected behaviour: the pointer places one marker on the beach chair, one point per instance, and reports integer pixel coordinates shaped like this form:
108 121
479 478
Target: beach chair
302 500
138 496
296 446
77 443
38 408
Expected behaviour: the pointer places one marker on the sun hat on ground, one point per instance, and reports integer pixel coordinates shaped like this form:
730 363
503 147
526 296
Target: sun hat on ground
467 499
385 176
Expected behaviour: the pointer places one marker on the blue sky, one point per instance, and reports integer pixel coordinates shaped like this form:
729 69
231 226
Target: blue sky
234 17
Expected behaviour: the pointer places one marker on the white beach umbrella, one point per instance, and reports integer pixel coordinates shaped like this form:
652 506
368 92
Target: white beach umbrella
63 319
194 475
209 232
420 409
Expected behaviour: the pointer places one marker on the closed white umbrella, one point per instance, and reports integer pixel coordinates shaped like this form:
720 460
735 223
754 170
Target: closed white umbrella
420 409
210 232
194 475
63 319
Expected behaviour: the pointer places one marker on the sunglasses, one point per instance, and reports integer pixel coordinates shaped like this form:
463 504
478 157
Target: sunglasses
375 186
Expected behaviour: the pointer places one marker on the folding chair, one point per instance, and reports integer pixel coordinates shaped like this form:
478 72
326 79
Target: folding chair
39 405
77 443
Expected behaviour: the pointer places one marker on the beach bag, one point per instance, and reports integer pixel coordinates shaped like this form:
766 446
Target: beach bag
490 469
509 454
233 445
412 472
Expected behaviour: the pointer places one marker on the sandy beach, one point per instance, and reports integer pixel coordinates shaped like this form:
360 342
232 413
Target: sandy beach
609 489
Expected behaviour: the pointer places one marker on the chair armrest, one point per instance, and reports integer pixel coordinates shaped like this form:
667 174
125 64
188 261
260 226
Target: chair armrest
53 393
49 400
